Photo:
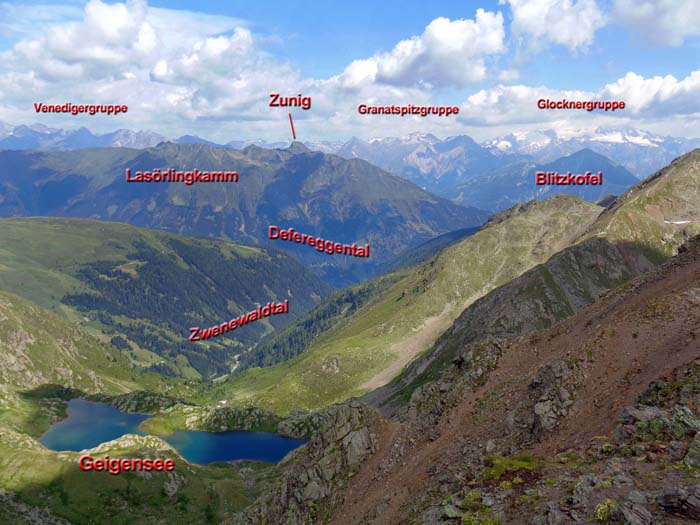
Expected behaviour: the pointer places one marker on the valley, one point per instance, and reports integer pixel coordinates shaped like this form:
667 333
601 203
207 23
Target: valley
367 263
322 195
144 289
409 343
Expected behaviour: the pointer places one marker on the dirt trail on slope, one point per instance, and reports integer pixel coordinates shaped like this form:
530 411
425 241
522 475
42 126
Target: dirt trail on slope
624 341
409 348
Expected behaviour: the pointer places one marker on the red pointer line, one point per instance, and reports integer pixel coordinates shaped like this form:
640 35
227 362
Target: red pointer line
291 123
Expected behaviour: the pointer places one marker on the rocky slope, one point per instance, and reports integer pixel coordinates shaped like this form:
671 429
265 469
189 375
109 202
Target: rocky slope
313 476
550 292
527 431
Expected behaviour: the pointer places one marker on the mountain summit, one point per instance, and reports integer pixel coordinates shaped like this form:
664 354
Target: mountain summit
640 151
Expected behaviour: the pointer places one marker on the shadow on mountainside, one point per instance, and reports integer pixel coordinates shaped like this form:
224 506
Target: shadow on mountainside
542 296
592 419
43 406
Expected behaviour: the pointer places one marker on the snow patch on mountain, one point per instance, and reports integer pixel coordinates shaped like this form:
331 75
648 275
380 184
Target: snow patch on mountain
638 150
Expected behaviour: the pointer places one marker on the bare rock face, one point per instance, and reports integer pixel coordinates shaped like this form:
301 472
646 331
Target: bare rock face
632 513
300 424
218 419
551 398
13 510
312 474
682 503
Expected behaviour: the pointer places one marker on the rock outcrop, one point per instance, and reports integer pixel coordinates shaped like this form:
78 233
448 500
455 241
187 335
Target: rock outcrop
312 475
141 401
219 419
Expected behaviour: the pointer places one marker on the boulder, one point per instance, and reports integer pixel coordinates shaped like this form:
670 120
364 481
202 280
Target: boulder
679 502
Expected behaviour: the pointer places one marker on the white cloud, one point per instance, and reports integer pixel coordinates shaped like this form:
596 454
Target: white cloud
509 75
668 22
657 96
185 72
113 38
195 73
448 53
650 99
517 104
169 67
568 23
104 39
206 59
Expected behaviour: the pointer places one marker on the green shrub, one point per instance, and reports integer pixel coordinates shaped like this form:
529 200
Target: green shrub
603 511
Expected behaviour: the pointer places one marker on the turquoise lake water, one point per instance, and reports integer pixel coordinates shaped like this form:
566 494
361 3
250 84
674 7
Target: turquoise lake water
89 424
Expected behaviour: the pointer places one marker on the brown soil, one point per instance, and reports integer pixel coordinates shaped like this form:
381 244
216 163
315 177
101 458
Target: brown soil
628 338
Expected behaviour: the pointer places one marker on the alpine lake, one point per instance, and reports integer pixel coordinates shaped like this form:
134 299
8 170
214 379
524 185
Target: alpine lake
90 424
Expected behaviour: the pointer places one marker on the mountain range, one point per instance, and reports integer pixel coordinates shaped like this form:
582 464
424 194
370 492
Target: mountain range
443 166
539 370
436 165
41 137
492 175
516 182
641 152
423 158
344 201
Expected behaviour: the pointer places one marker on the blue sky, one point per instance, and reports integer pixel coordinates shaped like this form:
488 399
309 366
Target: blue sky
323 37
206 68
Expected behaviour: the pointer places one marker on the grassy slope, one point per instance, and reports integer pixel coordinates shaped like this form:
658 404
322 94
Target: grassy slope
624 240
45 479
381 337
285 344
38 349
40 259
415 256
645 213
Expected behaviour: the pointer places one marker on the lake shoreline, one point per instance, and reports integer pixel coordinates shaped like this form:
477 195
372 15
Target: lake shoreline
89 424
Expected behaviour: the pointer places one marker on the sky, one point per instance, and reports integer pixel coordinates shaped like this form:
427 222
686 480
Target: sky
207 68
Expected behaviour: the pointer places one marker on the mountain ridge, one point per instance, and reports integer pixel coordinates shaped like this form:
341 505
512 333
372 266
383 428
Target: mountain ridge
365 350
346 201
516 182
627 238
535 413
147 288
